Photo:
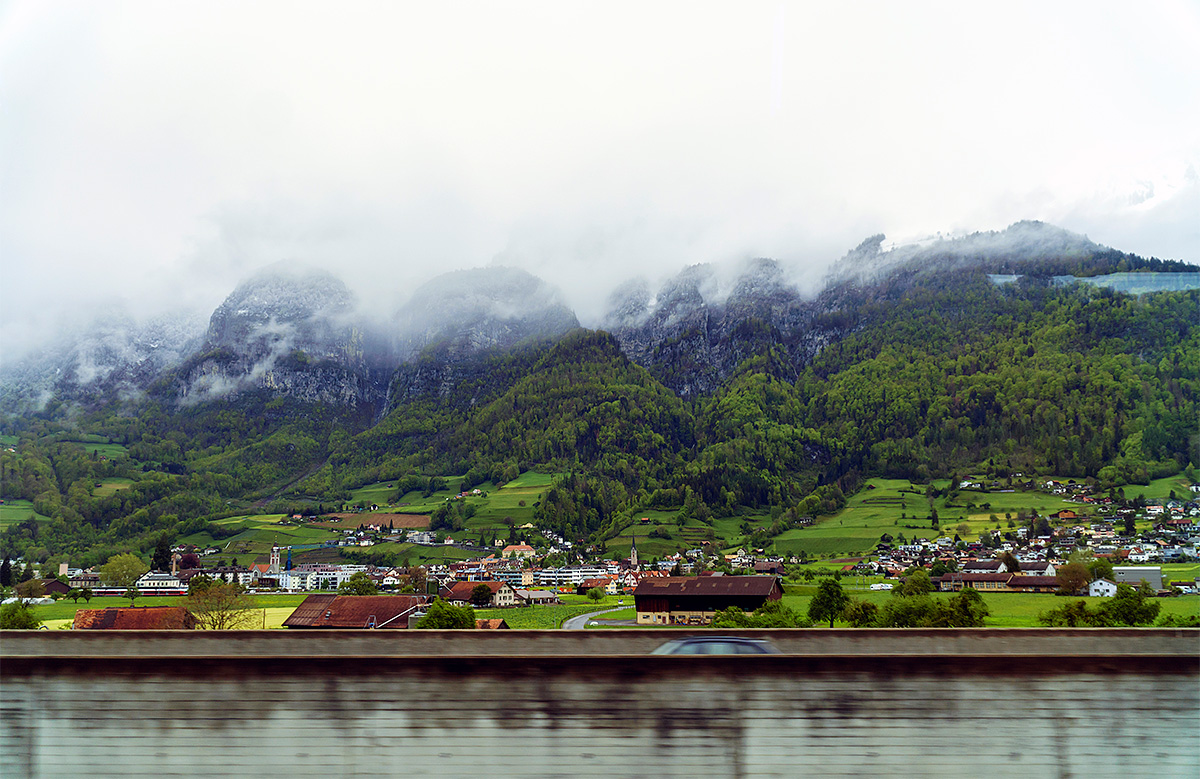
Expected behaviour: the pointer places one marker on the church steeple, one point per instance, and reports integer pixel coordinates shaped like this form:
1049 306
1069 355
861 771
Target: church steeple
633 555
274 567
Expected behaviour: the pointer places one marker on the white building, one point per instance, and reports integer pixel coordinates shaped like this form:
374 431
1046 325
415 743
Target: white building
154 580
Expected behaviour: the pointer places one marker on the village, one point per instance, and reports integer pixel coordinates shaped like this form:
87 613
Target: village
513 576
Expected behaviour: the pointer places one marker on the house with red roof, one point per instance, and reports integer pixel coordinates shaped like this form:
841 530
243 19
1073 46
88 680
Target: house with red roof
459 594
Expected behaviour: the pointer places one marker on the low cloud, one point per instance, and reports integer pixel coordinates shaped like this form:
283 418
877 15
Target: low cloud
168 151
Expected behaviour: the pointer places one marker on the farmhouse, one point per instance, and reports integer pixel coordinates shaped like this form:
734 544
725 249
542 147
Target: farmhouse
680 600
459 593
367 612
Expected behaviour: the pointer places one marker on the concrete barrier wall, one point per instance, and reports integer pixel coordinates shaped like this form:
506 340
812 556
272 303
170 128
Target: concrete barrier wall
858 703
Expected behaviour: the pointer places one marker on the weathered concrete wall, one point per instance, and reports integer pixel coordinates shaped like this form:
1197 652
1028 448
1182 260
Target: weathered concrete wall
856 703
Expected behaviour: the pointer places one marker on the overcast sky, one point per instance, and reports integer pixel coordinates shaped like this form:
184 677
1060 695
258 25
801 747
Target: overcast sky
159 151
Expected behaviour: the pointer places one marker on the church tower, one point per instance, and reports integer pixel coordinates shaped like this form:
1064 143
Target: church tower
274 567
633 555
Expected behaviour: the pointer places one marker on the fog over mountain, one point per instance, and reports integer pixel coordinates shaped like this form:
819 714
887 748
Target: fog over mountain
156 155
301 333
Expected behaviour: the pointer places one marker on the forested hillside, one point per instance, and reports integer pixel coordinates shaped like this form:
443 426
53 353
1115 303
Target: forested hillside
930 371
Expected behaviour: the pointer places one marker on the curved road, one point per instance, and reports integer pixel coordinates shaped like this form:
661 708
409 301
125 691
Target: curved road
578 623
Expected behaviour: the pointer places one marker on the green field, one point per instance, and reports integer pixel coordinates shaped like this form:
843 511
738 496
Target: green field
689 537
110 486
505 501
895 507
13 512
623 614
262 532
111 451
255 520
549 617
1180 572
1005 609
1161 489
9 440
501 503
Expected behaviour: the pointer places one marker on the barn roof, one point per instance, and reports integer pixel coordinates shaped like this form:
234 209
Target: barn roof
354 611
463 590
707 585
134 618
1033 581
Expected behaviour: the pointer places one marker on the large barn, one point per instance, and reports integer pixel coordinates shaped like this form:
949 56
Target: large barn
686 600
369 612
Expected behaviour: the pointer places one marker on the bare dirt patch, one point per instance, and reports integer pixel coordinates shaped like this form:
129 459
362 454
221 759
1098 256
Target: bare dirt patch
406 521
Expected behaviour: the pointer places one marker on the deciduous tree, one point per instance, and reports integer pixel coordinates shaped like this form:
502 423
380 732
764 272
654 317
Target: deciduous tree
1072 578
1011 564
18 616
860 613
359 583
443 616
481 596
123 570
916 582
828 603
31 590
221 606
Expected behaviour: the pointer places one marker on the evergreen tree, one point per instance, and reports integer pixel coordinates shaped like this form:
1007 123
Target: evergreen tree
161 561
6 573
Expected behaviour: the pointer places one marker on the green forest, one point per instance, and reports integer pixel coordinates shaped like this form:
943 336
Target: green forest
938 375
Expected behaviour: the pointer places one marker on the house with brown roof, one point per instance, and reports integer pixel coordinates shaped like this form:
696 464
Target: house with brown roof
984 566
134 618
1033 583
686 600
50 586
491 624
356 612
988 582
606 583
459 593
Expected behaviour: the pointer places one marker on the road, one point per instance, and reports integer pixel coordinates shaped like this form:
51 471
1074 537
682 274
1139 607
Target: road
580 622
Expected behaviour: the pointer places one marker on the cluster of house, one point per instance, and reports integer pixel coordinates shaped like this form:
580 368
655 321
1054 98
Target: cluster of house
659 600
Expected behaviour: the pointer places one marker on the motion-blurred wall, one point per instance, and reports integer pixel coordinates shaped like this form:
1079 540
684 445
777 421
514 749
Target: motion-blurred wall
990 703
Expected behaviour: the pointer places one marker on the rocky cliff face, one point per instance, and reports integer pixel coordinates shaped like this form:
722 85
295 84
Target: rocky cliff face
692 335
455 322
290 333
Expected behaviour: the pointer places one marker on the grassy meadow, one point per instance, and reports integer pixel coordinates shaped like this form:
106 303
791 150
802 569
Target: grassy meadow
1161 489
898 507
111 486
13 512
260 533
1005 609
111 451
